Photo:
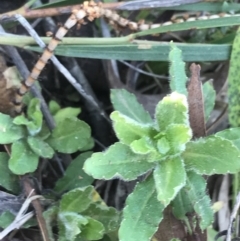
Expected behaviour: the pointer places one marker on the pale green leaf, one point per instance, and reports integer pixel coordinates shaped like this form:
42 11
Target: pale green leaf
143 146
54 107
69 225
142 213
178 135
67 112
7 180
127 104
173 109
76 200
231 134
8 131
35 117
70 135
93 230
178 78
209 95
196 191
74 176
117 161
40 147
163 145
108 216
213 155
169 177
128 130
23 160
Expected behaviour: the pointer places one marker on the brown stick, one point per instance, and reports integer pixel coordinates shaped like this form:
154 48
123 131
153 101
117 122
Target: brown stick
37 207
195 102
26 12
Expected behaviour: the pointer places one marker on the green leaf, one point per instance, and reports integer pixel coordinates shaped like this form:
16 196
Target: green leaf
64 113
22 159
127 104
143 146
69 225
74 176
234 83
173 109
35 116
70 135
40 147
169 177
117 161
178 135
163 145
76 200
6 219
128 130
213 155
44 133
108 216
8 131
7 180
54 107
90 144
93 230
181 205
231 134
209 96
178 78
142 213
50 216
196 191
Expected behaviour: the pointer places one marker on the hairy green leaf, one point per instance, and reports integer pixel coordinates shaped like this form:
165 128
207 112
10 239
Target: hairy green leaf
209 96
173 109
117 161
93 230
40 147
108 216
178 135
234 83
129 130
142 213
70 135
23 160
127 104
169 177
50 216
74 176
69 225
231 134
181 205
7 180
76 200
196 191
178 78
8 131
213 155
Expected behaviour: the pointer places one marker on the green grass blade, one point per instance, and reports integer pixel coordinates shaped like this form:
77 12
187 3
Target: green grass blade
234 83
145 51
